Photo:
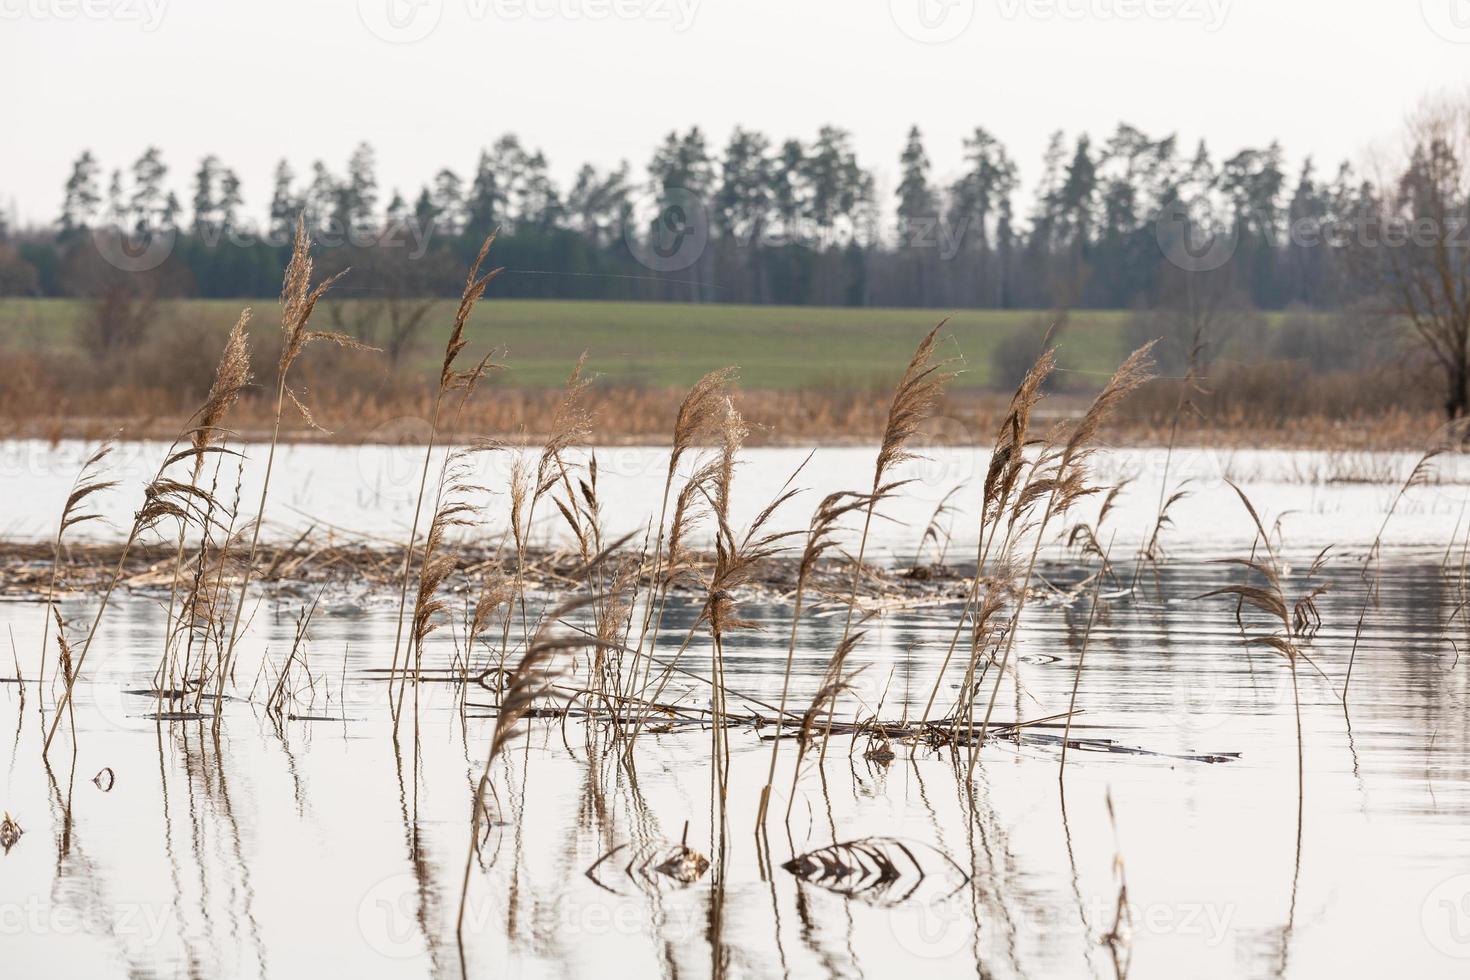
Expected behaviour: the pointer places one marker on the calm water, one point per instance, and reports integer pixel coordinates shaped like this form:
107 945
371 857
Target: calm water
1329 498
323 846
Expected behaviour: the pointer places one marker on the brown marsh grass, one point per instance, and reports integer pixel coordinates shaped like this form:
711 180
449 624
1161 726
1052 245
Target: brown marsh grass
367 402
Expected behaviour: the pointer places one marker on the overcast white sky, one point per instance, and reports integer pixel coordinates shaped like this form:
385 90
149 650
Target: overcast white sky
603 80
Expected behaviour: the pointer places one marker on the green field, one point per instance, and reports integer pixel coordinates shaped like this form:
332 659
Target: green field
661 343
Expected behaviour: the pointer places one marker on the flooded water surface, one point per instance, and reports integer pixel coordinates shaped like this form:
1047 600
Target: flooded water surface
322 839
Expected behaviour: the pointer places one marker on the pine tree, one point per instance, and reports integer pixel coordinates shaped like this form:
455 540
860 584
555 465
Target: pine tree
358 194
915 198
284 204
206 206
486 204
743 202
79 208
150 200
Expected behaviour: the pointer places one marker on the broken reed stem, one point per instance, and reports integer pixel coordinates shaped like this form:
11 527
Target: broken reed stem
1081 660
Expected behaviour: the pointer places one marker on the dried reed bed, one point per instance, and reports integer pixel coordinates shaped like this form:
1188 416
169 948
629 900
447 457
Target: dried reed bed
40 403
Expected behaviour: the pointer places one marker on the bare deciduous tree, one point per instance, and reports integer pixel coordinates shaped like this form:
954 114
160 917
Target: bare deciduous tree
1422 246
399 290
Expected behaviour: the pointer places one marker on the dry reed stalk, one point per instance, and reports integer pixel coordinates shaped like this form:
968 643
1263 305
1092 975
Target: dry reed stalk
452 509
275 703
914 400
698 416
1271 599
720 604
1081 660
450 380
571 425
835 682
1191 382
231 376
1060 478
1006 461
933 531
298 301
163 498
819 538
737 559
85 485
1449 437
533 679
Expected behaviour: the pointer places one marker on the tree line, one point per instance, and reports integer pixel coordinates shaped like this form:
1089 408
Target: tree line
757 221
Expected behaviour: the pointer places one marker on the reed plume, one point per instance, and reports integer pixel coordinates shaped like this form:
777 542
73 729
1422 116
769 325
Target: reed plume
1007 459
1061 479
914 400
164 498
231 376
298 301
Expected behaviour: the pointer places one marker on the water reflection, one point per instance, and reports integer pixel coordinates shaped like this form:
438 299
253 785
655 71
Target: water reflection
280 846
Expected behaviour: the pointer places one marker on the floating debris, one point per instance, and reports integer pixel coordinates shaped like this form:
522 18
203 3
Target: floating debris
104 779
684 864
9 832
655 861
879 752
